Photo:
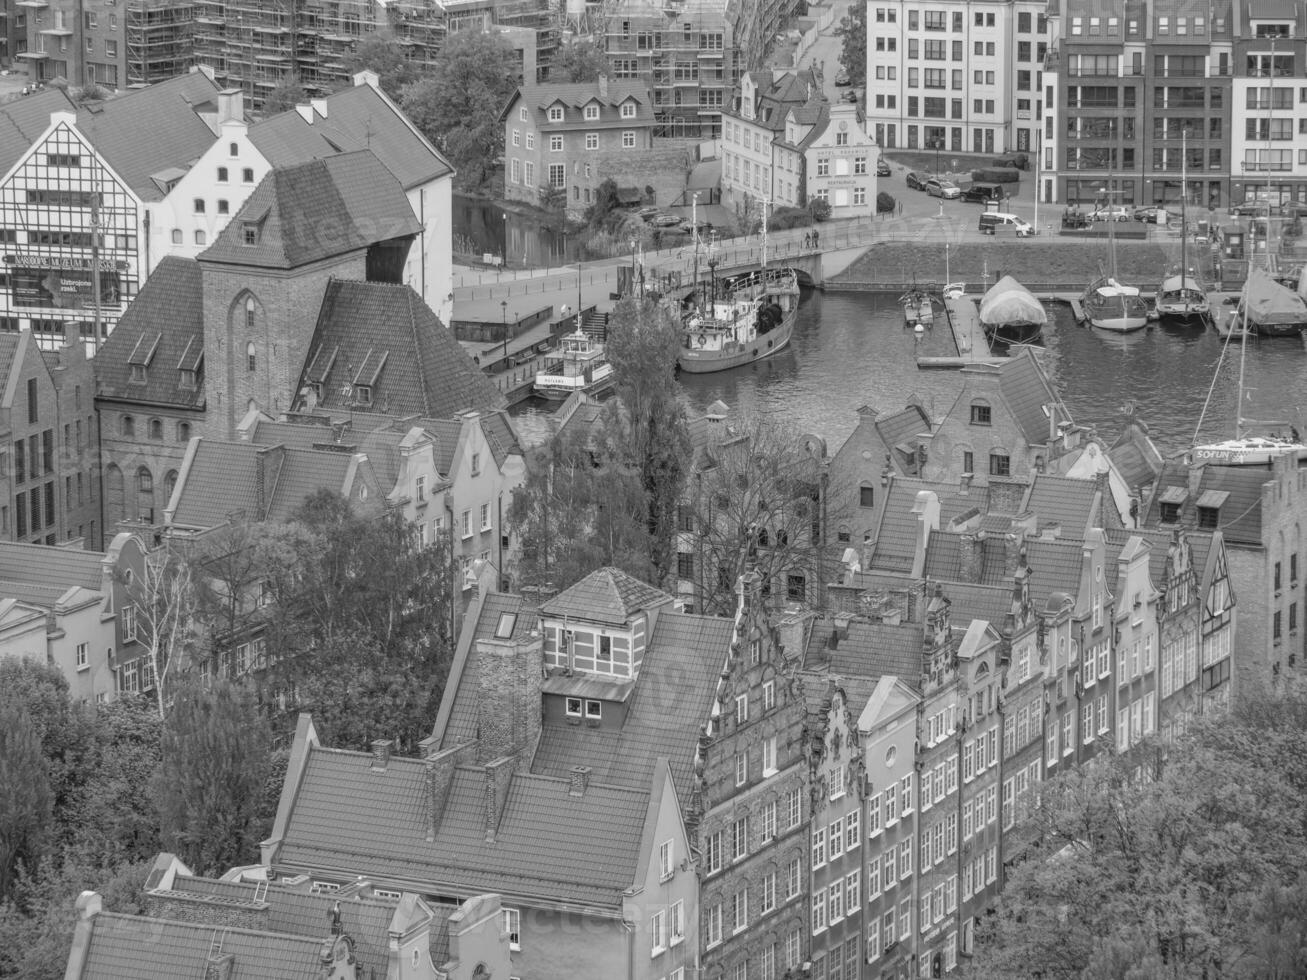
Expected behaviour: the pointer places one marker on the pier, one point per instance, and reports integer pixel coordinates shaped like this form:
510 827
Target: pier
957 341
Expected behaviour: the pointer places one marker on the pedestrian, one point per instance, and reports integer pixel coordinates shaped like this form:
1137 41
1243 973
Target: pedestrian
814 238
807 242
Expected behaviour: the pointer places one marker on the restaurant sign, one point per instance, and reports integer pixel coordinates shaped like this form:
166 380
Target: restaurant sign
62 281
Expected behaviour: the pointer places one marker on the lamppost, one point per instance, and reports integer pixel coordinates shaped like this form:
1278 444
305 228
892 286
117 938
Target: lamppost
634 242
712 278
937 144
503 307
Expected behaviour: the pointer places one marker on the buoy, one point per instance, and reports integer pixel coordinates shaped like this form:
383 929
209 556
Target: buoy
702 340
919 330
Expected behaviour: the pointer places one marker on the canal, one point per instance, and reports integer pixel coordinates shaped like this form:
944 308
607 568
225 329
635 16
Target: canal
850 349
482 227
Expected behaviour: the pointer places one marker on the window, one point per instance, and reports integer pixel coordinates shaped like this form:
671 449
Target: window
592 141
628 139
741 708
713 853
819 913
129 623
852 830
247 175
199 205
792 875
980 414
82 656
769 756
739 838
792 809
713 927
513 926
126 427
485 517
741 769
1000 464
740 910
835 839
836 783
905 793
678 921
658 932
768 695
557 174
591 112
819 847
222 175
866 496
555 144
555 113
200 237
223 206
665 865
628 110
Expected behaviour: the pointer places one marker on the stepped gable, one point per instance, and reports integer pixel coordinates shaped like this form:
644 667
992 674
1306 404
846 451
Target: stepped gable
155 354
608 596
384 337
312 211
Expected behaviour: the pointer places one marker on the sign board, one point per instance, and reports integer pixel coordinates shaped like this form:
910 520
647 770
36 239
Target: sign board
61 282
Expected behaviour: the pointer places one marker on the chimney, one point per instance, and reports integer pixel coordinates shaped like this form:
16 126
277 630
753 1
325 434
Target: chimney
580 780
381 754
792 633
1014 551
440 768
603 86
89 905
498 776
973 556
926 507
231 106
509 696
267 467
219 966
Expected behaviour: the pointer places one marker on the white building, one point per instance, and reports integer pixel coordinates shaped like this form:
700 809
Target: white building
759 157
839 158
959 77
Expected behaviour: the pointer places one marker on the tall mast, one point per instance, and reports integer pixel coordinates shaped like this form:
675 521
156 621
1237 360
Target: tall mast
96 225
1184 210
694 220
766 200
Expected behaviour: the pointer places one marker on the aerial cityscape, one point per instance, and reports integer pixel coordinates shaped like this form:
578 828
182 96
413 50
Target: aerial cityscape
653 489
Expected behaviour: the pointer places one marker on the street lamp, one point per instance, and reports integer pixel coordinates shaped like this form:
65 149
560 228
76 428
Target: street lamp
634 243
937 144
712 277
503 308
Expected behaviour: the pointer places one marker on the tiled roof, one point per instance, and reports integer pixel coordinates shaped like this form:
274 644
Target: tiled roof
34 565
672 699
991 603
126 947
24 119
549 845
314 210
1026 389
1063 501
607 595
897 535
357 118
385 336
500 436
574 95
367 922
9 358
456 721
870 649
1054 565
147 130
1240 516
167 317
222 479
447 432
1135 456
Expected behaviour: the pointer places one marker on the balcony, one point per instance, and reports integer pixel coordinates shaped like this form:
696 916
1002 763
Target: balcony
33 4
33 55
56 31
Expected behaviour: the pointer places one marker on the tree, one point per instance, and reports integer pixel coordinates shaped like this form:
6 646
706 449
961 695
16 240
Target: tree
211 775
819 208
581 60
25 797
286 94
605 204
643 342
758 500
165 602
384 56
457 106
853 53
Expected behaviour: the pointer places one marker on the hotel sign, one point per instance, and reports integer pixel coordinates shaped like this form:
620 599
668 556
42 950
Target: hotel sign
62 281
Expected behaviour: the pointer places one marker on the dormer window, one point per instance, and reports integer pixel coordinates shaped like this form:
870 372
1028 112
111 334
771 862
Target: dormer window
521 114
138 374
504 628
249 234
1209 508
594 710
591 112
628 110
363 394
555 113
573 708
188 379
420 494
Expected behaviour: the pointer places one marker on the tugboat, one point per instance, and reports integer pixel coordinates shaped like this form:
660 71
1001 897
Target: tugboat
583 367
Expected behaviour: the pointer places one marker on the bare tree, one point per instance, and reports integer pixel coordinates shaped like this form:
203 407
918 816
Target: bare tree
164 600
757 500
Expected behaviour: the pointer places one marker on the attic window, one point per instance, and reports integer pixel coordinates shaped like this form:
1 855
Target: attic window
504 628
591 112
188 379
594 709
1208 517
555 113
363 394
628 110
138 374
980 414
574 707
1170 513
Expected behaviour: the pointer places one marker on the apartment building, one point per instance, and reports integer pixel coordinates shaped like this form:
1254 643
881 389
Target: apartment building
763 132
691 55
960 77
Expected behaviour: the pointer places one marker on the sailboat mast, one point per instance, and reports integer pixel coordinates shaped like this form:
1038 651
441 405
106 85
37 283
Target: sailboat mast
1184 209
766 200
1243 348
694 230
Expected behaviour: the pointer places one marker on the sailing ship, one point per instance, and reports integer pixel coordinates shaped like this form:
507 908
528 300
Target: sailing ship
747 317
1010 313
1181 299
1243 449
1108 303
583 367
1269 308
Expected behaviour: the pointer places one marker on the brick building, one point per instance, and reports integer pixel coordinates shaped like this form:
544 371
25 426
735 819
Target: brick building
569 137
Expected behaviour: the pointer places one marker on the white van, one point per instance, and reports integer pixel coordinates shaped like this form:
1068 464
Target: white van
1001 223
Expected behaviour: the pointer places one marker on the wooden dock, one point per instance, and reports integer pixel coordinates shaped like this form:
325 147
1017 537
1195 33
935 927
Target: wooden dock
963 343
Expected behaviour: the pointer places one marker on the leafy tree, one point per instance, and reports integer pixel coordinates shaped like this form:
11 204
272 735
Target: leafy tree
458 105
819 208
286 94
25 797
885 202
853 53
580 61
552 198
643 342
605 204
385 56
758 499
209 784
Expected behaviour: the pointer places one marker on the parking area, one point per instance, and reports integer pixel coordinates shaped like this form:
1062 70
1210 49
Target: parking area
12 83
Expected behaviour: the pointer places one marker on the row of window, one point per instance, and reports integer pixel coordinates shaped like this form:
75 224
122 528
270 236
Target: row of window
776 816
153 428
829 904
844 834
775 889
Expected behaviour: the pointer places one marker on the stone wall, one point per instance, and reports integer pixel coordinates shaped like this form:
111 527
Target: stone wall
664 168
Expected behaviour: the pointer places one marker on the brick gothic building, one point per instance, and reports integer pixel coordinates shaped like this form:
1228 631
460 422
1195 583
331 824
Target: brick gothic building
751 786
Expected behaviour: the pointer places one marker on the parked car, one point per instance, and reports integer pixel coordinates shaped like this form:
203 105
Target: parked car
841 78
999 222
1249 208
981 192
882 167
1111 212
937 187
1147 215
917 180
1073 218
666 220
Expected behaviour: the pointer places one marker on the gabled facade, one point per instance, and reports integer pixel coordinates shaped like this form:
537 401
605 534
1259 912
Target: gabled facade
763 134
839 159
566 139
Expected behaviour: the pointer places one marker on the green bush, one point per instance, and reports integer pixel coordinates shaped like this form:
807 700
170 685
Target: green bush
783 218
885 202
819 209
997 175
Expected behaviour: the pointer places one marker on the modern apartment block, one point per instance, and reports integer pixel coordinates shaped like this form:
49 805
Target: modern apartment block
960 77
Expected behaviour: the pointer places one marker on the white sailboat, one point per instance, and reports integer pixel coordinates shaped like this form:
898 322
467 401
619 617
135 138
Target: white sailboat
1110 304
1182 300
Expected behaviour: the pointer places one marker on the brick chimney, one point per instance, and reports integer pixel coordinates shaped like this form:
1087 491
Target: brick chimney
381 754
509 698
603 86
219 966
580 780
267 468
973 556
1014 551
440 766
499 774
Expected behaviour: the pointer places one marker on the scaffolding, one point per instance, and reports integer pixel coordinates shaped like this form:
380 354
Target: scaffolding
159 40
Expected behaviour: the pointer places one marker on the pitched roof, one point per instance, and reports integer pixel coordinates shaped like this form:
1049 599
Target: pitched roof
549 845
9 363
164 326
24 119
672 699
41 575
128 947
310 211
538 98
897 534
356 118
386 337
870 649
1135 456
1027 389
1066 502
220 479
607 595
1239 517
147 130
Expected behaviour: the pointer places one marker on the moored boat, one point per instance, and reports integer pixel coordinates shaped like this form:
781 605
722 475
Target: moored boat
1271 309
753 319
1248 451
1111 305
1010 313
583 366
920 307
1182 301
